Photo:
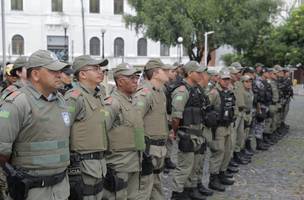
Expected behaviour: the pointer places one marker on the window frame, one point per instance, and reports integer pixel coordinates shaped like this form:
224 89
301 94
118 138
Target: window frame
144 48
118 7
59 5
18 5
97 7
15 49
164 50
116 51
92 50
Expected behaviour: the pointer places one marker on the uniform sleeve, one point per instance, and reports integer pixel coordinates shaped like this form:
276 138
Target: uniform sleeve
143 101
11 122
112 109
239 95
180 97
214 97
76 107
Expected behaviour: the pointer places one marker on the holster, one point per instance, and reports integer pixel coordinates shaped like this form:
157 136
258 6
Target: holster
185 143
202 149
146 165
112 182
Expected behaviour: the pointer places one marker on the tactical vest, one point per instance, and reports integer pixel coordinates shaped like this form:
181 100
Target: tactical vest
89 134
168 92
45 144
269 94
128 136
155 120
226 113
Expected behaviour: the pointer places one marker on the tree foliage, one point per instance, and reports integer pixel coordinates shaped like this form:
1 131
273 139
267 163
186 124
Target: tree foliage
238 23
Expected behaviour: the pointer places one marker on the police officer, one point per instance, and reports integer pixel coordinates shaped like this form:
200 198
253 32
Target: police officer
67 79
19 71
34 139
150 99
187 120
88 133
223 100
126 137
288 93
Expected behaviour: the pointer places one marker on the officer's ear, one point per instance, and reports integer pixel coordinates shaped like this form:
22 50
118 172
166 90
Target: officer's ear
35 74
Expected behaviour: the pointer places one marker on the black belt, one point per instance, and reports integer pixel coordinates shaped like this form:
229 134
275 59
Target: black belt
158 171
87 156
195 132
45 181
160 142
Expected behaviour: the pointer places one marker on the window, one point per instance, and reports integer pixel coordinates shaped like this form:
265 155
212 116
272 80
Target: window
94 46
17 4
56 5
119 46
118 7
94 6
142 47
164 50
18 45
60 46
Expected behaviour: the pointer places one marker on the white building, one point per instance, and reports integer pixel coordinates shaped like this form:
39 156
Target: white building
42 24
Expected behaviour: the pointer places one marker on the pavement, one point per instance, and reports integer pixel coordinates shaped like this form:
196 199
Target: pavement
276 174
299 89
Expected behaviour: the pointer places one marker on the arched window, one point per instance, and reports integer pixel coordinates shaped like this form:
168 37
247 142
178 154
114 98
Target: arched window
118 7
142 47
119 47
164 50
94 46
17 45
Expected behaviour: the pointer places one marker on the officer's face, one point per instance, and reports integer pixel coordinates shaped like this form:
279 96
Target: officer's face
225 82
162 75
247 84
204 79
127 84
195 76
49 81
172 73
92 74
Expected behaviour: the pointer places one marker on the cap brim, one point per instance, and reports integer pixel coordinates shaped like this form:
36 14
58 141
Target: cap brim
56 66
225 76
127 72
201 69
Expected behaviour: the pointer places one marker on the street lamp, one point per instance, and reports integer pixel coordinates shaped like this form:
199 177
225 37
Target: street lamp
65 28
103 31
180 41
206 46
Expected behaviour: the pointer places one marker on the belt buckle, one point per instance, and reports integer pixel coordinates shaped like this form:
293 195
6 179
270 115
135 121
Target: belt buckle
91 155
42 184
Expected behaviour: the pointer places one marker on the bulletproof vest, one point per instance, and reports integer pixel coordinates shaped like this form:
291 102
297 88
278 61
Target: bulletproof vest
226 113
268 92
193 111
129 135
45 143
89 134
155 120
168 92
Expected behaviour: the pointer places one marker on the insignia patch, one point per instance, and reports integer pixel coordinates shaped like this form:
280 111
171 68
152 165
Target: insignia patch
75 93
146 90
108 100
66 118
179 98
4 114
182 88
140 103
71 109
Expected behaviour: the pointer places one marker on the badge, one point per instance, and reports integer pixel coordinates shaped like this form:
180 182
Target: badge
66 118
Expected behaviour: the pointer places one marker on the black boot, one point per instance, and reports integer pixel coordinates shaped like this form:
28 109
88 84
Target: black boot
228 174
194 194
180 196
273 138
266 139
231 169
225 180
204 191
215 183
261 145
232 163
249 147
239 159
169 164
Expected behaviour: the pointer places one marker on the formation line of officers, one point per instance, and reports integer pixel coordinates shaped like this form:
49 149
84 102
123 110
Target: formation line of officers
62 139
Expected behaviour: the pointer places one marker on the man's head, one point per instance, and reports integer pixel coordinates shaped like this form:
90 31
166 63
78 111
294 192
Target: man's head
225 79
67 75
213 75
234 73
44 70
126 77
279 70
247 81
193 71
88 70
19 67
155 69
258 67
172 73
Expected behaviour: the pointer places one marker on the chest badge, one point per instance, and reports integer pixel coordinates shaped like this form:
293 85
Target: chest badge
66 118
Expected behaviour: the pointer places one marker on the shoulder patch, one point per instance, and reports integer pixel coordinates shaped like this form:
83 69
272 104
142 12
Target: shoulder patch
213 92
108 100
11 88
75 93
182 88
13 96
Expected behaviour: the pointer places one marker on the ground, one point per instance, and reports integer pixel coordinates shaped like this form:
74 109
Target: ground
276 174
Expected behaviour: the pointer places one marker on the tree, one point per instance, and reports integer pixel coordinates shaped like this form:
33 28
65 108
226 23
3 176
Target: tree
236 22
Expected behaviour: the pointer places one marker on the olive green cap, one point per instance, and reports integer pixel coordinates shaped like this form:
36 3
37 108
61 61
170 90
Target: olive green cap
155 63
224 73
278 68
124 69
233 70
212 72
193 66
85 60
245 78
237 65
170 67
46 59
21 61
258 65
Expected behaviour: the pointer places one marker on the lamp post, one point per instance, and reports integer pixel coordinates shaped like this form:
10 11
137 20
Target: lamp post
180 41
65 28
206 46
103 31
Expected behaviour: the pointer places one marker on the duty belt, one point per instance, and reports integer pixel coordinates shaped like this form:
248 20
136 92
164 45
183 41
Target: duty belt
196 132
87 156
159 142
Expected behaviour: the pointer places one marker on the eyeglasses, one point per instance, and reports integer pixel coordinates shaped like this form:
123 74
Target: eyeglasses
132 77
95 69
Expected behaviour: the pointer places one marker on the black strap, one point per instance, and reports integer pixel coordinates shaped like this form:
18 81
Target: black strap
87 156
160 142
196 132
45 181
89 190
158 171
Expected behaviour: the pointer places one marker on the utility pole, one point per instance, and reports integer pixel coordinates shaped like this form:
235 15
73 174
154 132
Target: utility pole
3 34
83 30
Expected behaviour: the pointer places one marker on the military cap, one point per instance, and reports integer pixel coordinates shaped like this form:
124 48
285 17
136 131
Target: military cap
278 68
154 63
212 72
124 69
68 70
286 69
237 65
21 61
233 70
224 73
245 78
248 70
258 65
171 67
85 60
193 66
46 59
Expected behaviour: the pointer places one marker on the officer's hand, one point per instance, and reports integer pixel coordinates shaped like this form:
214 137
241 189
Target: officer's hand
172 135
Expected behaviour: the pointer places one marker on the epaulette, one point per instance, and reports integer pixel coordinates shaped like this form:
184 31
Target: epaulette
144 91
108 100
182 88
75 94
11 88
12 96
